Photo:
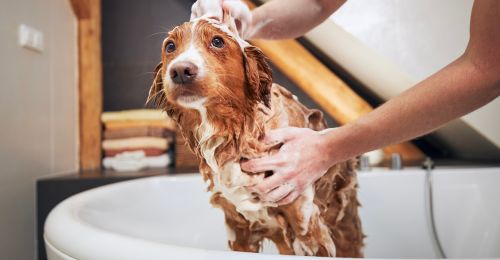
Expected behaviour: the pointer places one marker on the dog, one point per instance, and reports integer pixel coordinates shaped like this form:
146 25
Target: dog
219 90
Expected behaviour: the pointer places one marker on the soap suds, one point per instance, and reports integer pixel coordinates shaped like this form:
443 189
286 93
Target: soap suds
229 180
307 208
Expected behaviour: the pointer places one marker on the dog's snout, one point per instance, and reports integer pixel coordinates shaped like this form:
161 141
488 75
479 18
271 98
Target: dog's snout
183 72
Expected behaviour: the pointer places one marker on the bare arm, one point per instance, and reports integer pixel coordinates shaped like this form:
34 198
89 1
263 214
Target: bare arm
471 81
281 19
278 19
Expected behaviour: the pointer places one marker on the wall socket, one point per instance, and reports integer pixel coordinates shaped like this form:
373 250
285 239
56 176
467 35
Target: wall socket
30 38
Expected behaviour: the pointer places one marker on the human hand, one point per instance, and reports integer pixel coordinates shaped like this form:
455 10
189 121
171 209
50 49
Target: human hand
214 8
301 160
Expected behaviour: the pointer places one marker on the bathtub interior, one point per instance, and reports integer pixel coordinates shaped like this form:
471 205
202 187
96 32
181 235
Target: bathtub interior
173 211
467 212
176 211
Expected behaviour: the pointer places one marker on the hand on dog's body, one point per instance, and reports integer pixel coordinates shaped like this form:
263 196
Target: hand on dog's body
236 8
300 162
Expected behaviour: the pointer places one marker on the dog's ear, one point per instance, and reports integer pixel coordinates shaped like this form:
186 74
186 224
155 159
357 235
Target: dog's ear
156 92
315 120
259 75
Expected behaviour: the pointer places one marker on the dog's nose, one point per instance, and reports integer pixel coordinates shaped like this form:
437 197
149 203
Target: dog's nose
183 72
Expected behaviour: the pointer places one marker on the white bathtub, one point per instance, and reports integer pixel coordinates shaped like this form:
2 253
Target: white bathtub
170 218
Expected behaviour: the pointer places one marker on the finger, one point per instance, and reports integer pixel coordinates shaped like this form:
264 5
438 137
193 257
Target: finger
240 12
194 10
266 163
280 135
193 16
269 184
292 196
212 8
279 193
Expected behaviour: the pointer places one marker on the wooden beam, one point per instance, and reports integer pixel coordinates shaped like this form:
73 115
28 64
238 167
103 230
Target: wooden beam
315 79
90 81
325 88
81 8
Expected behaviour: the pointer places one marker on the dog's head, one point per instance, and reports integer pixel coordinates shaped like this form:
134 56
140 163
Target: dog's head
205 63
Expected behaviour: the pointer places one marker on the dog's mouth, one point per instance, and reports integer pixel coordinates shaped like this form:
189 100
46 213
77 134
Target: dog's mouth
186 95
189 98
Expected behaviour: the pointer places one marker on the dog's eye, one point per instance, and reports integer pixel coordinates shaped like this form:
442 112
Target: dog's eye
170 47
217 42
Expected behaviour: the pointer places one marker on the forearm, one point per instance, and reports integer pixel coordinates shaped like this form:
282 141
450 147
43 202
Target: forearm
280 19
470 82
456 90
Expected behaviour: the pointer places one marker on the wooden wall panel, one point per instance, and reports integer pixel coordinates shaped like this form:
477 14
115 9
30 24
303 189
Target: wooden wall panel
88 13
81 8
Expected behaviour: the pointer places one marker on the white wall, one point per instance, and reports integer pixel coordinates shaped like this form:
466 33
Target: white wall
38 114
419 36
390 45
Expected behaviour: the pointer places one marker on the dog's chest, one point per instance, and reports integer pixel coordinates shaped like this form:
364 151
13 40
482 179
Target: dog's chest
231 182
228 179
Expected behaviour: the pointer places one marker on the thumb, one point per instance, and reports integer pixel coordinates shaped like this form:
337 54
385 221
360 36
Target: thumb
279 135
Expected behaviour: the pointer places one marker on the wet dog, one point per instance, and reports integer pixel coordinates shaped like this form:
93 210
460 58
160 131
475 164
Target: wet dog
219 90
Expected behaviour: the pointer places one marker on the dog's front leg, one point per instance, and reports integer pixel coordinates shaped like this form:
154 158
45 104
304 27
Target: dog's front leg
240 236
311 235
243 239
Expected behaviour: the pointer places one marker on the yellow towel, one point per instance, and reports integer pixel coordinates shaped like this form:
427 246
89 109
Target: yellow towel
135 142
134 114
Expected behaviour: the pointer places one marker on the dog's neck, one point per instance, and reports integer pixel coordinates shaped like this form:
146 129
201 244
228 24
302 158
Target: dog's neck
230 133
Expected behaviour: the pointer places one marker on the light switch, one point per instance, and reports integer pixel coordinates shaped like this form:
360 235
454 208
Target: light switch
30 38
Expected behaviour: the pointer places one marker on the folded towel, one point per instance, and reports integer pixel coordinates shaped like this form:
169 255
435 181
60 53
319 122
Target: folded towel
135 142
119 133
168 124
134 161
158 161
146 151
134 114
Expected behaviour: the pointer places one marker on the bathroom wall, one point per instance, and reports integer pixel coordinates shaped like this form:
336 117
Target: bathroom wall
38 114
420 36
132 34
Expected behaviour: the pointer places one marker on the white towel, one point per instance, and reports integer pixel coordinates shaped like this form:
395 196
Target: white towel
135 161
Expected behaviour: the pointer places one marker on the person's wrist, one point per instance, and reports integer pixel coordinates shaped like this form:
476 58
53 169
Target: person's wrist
326 149
250 30
256 27
335 148
248 34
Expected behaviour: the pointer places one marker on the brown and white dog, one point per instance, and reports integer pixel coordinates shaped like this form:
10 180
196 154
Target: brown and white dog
219 90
